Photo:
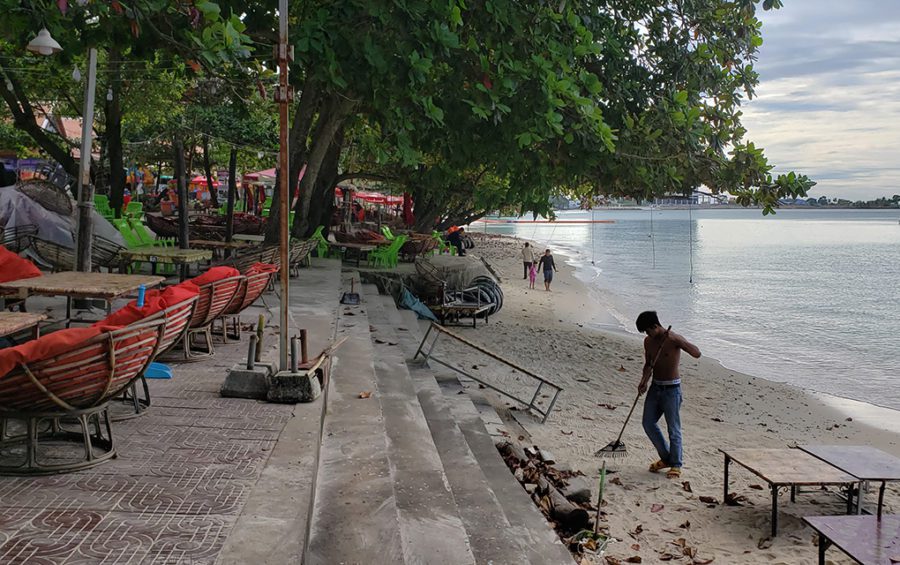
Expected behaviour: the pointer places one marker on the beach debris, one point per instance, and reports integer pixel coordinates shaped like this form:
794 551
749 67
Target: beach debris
636 531
565 433
709 500
686 525
716 419
616 481
365 394
583 417
622 369
607 406
581 380
686 486
734 499
656 508
764 543
756 487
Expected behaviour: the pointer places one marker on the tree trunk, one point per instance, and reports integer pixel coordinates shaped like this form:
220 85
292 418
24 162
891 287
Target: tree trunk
24 119
322 202
114 136
183 242
325 134
207 169
232 191
297 145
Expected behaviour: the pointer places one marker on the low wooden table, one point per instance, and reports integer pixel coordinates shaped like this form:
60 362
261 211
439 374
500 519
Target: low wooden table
787 468
359 249
155 255
74 284
14 322
217 247
866 539
863 462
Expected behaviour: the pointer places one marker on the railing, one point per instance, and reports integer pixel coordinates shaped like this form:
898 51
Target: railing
428 354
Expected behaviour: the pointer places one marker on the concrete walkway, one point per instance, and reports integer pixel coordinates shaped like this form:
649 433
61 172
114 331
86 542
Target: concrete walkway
198 479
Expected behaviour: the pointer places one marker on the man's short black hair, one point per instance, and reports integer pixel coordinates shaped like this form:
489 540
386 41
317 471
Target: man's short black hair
647 320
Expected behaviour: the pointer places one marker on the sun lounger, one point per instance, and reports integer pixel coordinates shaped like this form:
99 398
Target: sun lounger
65 377
787 468
866 539
863 462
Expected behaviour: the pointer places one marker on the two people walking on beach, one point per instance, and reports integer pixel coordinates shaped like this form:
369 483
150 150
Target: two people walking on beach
662 383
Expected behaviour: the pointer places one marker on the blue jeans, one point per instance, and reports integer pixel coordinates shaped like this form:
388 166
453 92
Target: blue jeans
664 401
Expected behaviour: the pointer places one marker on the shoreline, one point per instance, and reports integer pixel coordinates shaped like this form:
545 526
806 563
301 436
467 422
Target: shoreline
557 335
852 407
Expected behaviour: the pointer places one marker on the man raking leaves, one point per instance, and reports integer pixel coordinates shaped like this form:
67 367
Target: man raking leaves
662 354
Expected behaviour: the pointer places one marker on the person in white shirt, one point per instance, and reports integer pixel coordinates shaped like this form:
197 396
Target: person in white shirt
527 258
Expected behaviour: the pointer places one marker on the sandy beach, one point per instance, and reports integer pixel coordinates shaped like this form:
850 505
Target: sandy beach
647 513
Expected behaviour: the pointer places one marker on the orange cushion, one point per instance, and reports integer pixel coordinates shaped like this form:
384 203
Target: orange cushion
178 293
13 267
215 274
130 313
261 268
47 346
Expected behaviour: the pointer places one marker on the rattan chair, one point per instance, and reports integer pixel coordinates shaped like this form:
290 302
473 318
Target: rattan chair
65 398
17 239
175 320
104 253
214 298
251 288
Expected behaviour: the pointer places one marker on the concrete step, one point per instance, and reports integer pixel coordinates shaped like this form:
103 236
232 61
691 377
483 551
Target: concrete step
354 517
454 419
431 529
492 538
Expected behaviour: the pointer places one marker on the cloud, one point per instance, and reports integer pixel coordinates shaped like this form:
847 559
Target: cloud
828 102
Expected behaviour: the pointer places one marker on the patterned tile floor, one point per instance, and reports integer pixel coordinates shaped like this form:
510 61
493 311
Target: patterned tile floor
183 473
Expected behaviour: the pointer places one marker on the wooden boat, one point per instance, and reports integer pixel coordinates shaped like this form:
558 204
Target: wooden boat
209 227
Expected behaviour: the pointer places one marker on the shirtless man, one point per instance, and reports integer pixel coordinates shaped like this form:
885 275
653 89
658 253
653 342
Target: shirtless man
662 353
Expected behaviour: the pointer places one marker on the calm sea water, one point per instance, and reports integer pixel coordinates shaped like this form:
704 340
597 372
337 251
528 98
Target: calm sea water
808 297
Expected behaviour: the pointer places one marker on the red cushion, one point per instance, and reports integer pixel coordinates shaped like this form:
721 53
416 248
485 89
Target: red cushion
261 268
215 274
130 313
47 346
13 267
178 293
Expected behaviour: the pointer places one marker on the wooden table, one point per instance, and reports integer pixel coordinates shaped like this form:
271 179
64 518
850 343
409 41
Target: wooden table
787 468
155 255
866 539
218 246
14 322
359 249
248 237
863 462
73 284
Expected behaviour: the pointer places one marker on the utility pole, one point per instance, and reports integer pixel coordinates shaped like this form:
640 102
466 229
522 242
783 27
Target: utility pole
84 227
284 96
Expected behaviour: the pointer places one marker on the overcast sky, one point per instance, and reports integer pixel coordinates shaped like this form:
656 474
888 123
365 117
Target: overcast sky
828 102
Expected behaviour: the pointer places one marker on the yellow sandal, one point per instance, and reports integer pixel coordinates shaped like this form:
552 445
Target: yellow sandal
674 473
658 466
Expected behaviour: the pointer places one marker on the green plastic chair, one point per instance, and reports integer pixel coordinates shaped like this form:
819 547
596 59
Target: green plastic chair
389 255
135 210
442 245
266 207
322 243
386 231
101 203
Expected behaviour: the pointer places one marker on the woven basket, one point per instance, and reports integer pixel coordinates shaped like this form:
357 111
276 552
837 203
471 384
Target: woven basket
47 195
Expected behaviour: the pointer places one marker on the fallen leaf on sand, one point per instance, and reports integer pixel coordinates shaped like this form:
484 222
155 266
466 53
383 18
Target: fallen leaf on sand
756 487
587 418
709 500
703 561
583 380
349 314
716 419
636 531
680 542
635 547
735 499
379 341
622 369
686 525
565 433
616 481
686 485
764 543
634 559
668 557
366 394
656 507
607 406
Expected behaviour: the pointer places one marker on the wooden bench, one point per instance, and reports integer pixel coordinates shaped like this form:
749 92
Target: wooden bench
866 539
456 310
787 468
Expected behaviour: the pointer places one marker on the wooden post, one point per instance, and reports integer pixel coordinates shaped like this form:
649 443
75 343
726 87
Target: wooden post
283 50
183 242
84 228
